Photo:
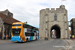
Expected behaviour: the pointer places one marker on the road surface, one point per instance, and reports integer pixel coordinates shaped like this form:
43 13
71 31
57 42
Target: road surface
33 45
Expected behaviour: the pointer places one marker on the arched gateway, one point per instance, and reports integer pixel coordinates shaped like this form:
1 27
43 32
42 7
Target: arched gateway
53 23
55 30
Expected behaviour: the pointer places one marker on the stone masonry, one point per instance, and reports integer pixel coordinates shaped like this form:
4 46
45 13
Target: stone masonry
54 17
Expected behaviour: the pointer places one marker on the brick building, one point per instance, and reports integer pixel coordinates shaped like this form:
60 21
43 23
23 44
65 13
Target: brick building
6 20
72 26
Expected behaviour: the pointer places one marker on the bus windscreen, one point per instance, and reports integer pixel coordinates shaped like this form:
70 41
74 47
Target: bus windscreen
16 32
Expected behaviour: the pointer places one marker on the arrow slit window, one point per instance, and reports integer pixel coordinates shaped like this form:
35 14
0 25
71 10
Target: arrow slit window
55 17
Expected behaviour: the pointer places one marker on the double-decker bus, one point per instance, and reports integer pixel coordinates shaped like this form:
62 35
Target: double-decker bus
22 32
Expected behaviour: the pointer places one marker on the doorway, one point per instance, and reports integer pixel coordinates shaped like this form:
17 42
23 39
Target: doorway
55 32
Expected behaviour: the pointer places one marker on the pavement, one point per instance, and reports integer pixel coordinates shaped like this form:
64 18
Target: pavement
53 44
4 41
71 44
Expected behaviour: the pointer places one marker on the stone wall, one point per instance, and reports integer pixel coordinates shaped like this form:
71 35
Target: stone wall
47 20
4 29
73 26
1 25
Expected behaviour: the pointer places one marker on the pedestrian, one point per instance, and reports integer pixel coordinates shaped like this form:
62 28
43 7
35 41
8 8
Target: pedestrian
3 36
6 36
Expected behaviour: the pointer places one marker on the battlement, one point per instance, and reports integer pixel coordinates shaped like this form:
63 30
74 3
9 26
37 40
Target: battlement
47 8
57 8
62 6
53 10
42 10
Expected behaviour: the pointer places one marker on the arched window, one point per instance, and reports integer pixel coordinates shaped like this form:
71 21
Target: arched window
55 17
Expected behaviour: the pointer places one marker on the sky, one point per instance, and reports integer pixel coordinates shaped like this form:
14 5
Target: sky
29 10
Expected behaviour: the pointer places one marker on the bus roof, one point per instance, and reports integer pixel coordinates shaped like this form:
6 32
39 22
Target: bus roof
30 26
27 25
18 23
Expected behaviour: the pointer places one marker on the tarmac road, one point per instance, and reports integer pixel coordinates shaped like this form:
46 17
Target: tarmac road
33 45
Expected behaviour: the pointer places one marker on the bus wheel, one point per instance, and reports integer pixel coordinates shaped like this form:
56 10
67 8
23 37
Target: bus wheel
27 40
36 38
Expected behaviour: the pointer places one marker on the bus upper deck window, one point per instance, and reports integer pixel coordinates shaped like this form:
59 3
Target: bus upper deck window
16 25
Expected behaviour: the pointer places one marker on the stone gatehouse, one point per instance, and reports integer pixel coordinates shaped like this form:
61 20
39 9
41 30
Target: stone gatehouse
56 19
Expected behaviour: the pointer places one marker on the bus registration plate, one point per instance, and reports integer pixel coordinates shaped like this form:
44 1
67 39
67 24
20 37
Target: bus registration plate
15 41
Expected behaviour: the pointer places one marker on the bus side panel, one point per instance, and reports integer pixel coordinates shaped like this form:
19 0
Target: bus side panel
26 37
37 35
31 38
34 37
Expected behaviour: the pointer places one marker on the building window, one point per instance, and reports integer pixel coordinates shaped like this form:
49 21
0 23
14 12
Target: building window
55 17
